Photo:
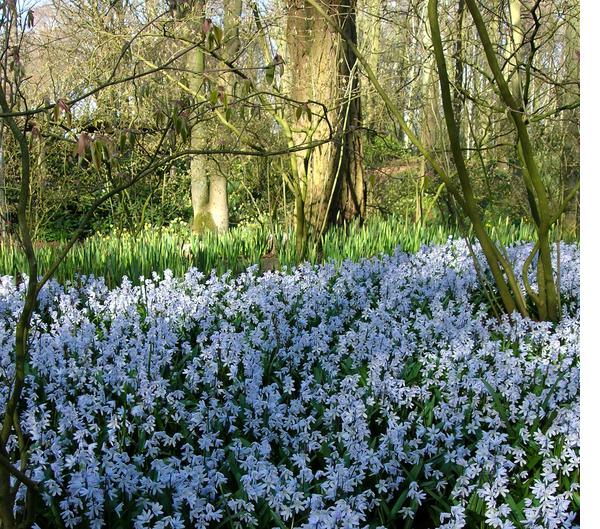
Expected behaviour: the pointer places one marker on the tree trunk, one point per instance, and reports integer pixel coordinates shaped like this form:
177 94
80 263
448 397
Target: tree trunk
218 203
428 120
210 203
3 203
196 64
369 21
547 299
514 50
231 22
324 73
569 96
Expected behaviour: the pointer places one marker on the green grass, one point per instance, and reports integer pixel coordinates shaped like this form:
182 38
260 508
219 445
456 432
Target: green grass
157 249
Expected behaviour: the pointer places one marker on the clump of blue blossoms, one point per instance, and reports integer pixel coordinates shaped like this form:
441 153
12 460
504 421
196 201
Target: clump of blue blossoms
374 394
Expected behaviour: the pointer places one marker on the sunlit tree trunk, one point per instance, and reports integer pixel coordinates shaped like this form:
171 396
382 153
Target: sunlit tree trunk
3 211
428 120
514 50
231 21
369 20
196 65
459 66
514 53
210 203
218 203
569 97
324 73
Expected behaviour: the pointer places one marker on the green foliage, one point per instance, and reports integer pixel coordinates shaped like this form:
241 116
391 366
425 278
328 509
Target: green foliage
156 249
380 149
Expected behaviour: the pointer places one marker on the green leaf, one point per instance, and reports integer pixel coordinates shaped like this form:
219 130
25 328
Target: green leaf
386 510
96 154
122 141
235 469
517 509
442 501
398 504
218 33
308 112
270 73
280 523
186 131
497 401
533 460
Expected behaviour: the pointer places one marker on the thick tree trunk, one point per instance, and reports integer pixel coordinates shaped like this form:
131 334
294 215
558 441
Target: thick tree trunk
324 73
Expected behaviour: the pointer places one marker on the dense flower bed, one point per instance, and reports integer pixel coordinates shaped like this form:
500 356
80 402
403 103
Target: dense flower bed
375 394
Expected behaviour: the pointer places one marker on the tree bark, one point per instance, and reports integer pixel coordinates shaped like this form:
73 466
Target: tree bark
514 50
370 33
569 96
428 120
218 202
3 203
199 188
324 71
